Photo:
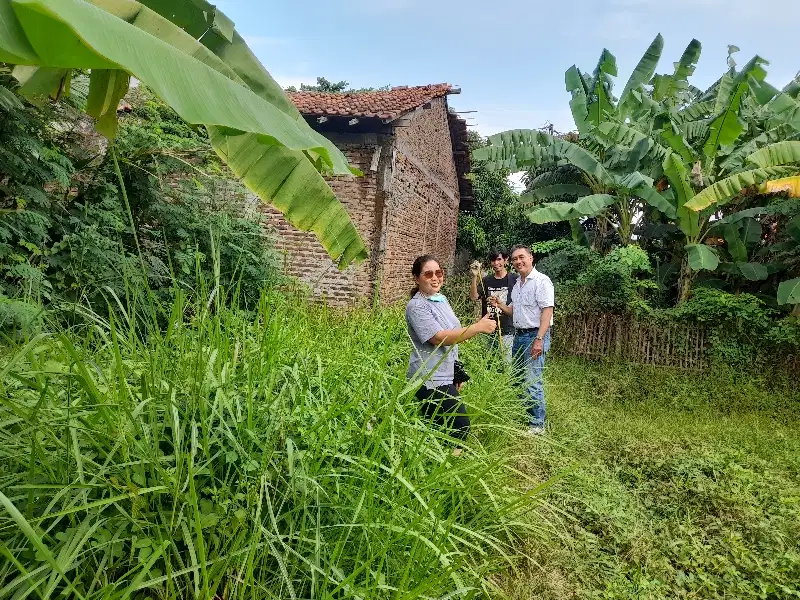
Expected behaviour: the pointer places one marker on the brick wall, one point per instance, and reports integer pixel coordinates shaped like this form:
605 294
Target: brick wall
305 256
405 208
422 203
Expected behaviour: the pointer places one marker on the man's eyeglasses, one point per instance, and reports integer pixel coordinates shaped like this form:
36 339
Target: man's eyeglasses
438 273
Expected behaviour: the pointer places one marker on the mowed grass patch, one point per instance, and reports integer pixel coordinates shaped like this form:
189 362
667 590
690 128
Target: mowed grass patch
675 485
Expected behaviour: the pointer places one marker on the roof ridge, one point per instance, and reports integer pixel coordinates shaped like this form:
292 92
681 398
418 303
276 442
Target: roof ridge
383 104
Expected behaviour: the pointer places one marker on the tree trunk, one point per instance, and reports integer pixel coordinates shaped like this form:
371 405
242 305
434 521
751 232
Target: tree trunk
685 280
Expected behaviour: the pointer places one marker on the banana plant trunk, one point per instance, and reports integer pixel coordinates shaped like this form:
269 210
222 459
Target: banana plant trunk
685 280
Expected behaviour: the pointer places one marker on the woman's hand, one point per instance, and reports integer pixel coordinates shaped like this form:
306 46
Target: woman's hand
487 324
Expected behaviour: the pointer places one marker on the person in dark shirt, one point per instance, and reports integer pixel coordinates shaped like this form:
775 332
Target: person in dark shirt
498 285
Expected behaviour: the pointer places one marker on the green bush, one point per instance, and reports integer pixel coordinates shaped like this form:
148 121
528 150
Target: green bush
567 263
65 231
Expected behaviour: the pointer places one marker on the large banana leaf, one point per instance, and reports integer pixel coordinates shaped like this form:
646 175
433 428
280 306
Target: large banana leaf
214 30
789 292
678 177
702 257
726 128
520 148
736 246
588 206
780 153
785 109
126 36
722 191
600 105
576 86
672 88
787 185
642 187
643 72
560 189
749 270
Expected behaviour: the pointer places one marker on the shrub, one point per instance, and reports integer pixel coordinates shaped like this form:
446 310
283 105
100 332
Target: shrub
567 263
65 231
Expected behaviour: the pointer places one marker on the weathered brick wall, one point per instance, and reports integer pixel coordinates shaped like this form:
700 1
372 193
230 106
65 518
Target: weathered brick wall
422 203
305 256
428 138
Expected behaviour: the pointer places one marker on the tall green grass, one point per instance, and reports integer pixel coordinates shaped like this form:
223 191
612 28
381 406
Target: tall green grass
277 453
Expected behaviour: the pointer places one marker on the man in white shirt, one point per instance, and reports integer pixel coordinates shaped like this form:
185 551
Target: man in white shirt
532 302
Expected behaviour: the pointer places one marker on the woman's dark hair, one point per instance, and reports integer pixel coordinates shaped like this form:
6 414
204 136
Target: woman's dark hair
416 268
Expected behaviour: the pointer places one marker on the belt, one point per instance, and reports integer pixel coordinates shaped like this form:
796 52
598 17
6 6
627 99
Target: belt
526 329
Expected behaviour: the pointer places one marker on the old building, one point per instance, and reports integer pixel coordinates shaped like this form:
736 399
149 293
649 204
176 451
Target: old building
413 153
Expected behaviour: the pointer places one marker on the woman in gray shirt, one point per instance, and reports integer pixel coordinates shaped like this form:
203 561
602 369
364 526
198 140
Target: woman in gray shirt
435 332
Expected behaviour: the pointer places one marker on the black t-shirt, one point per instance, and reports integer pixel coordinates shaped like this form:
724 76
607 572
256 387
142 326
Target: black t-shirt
499 288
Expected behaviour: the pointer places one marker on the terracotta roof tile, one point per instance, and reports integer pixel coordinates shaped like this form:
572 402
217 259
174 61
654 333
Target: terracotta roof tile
382 105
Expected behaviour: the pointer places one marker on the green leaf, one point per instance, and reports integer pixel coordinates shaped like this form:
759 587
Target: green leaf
106 89
725 189
678 177
742 214
14 45
198 86
518 149
687 63
576 86
793 228
726 128
644 70
560 189
736 247
780 153
601 105
203 89
642 187
9 100
753 271
702 257
751 232
676 142
588 206
288 181
789 292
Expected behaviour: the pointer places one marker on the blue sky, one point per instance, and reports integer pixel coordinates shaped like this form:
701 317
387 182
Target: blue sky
508 56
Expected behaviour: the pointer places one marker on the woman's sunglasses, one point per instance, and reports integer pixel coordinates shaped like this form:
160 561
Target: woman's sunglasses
438 273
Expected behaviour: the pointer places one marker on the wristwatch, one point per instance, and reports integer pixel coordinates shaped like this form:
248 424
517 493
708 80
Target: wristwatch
541 339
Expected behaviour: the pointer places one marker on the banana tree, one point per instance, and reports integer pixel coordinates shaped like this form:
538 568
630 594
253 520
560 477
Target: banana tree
191 56
617 162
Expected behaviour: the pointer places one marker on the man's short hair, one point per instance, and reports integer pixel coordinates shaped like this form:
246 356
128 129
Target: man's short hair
495 252
521 247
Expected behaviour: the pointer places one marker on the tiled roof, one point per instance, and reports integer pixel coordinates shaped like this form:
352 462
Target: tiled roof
385 105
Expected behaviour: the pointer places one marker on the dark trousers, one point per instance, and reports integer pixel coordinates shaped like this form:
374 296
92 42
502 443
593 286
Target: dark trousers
442 406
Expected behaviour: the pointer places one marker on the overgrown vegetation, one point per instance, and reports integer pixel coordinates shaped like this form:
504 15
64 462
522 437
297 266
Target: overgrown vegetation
673 486
688 174
272 454
66 233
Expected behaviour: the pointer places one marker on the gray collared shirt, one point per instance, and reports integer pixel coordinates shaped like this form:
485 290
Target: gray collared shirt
425 319
530 297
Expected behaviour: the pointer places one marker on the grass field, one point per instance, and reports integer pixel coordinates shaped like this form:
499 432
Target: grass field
672 486
204 453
